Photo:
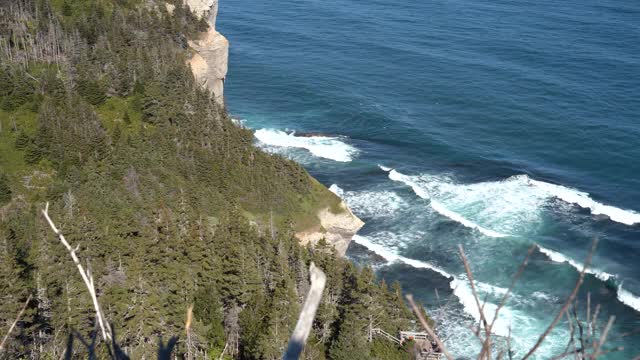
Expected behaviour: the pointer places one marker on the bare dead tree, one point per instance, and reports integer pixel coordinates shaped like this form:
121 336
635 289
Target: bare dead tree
307 315
86 276
13 325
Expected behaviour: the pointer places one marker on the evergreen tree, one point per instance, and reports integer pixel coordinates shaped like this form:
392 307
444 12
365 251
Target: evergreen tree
5 189
208 310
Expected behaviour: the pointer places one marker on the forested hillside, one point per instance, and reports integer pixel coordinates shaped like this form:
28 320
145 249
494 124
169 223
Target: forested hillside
169 202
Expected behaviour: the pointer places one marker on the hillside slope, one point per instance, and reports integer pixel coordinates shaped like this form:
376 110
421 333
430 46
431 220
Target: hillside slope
169 203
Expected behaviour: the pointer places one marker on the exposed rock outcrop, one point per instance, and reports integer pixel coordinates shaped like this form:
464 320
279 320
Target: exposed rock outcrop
209 65
210 60
336 229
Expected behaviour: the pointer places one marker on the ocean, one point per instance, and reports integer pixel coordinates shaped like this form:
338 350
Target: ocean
497 125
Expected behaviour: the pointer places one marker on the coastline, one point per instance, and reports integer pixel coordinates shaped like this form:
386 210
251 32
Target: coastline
209 65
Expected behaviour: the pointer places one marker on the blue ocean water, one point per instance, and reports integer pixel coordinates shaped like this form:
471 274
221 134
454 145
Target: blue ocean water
497 124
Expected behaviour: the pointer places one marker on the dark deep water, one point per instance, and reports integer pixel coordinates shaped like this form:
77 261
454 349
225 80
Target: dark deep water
507 123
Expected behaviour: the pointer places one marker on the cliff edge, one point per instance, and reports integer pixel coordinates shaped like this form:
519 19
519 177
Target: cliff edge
334 222
336 228
209 62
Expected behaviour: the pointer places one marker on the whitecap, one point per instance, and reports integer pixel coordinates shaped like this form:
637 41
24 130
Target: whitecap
408 180
332 148
336 190
462 290
442 210
623 295
501 208
392 257
460 287
560 258
628 298
583 200
422 191
508 317
384 168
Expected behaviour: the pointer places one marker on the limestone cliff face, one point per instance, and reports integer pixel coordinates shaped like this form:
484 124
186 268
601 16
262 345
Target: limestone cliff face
336 229
209 65
210 60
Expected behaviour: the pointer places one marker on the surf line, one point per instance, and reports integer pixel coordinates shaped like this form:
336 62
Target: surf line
436 205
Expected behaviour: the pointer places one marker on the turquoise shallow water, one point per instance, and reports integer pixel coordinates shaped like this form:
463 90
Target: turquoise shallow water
506 123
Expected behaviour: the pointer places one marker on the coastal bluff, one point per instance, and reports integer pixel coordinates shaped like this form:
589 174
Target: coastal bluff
209 62
209 65
336 228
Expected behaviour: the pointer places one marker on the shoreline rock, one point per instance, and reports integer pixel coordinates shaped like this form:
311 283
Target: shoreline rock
336 229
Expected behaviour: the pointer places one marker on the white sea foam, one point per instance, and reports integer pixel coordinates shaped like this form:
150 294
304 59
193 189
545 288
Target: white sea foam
374 204
408 180
332 148
560 258
336 190
459 285
442 210
506 317
423 191
628 298
241 123
391 257
501 208
384 168
624 296
582 199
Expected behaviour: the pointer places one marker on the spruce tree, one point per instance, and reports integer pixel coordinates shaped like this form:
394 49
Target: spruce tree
5 189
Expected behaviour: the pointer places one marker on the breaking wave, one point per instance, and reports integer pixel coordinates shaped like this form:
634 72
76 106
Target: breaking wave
439 207
560 258
460 287
497 208
510 206
377 204
582 199
623 295
332 148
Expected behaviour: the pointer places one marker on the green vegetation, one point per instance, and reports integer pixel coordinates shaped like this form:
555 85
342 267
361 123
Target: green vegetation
168 200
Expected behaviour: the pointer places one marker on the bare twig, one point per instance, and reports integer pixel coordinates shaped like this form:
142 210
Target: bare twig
308 313
487 343
572 329
594 322
13 325
426 326
223 351
570 300
86 276
603 337
580 328
503 301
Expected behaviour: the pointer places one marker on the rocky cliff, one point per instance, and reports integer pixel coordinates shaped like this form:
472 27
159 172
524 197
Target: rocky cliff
211 51
209 66
336 228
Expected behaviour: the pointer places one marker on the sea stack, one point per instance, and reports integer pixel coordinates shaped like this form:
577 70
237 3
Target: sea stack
211 50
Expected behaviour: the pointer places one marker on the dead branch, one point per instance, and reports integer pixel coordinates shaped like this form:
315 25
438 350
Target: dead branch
483 319
24 307
426 326
86 276
570 300
307 315
603 337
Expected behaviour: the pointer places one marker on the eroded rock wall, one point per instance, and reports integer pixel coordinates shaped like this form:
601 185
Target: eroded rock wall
211 51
